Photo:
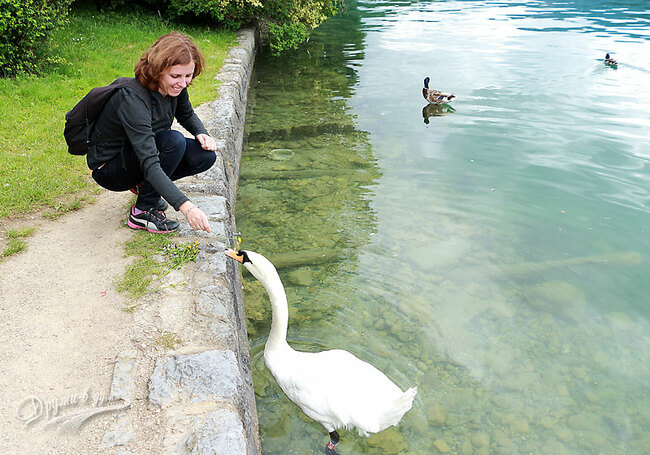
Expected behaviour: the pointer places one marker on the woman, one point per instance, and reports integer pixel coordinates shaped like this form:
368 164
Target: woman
133 146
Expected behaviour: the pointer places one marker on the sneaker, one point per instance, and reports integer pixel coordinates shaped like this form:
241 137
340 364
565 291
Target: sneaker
160 205
152 220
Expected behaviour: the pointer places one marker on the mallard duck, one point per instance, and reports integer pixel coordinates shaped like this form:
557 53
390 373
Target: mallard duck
356 395
610 61
435 96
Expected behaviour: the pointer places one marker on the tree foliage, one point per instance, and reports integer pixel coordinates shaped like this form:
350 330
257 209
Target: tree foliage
25 26
286 23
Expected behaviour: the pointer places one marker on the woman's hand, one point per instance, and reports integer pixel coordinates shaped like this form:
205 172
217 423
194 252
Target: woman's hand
207 142
195 217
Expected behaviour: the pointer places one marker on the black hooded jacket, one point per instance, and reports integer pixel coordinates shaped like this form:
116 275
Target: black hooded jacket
126 123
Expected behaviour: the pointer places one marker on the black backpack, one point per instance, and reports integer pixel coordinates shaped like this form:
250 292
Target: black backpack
80 120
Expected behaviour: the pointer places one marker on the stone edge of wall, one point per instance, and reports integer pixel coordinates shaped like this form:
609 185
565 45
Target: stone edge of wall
207 395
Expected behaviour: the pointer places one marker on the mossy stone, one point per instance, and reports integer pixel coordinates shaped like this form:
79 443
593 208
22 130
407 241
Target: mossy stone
390 441
436 414
480 439
442 446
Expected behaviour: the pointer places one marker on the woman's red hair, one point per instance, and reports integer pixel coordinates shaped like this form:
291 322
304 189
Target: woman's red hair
174 48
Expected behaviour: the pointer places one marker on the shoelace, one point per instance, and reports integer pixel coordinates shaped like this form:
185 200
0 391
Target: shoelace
158 214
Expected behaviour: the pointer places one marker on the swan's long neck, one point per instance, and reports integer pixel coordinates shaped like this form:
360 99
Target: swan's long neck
280 318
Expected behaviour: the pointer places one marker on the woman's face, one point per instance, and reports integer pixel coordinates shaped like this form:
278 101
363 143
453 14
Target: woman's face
175 78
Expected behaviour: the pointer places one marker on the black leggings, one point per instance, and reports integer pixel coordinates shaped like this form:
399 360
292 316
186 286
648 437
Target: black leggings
179 157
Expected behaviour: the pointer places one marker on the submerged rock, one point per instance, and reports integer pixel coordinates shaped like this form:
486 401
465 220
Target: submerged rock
554 448
502 440
480 439
619 321
563 434
436 413
560 298
584 421
390 441
466 448
547 422
520 426
418 421
301 277
442 446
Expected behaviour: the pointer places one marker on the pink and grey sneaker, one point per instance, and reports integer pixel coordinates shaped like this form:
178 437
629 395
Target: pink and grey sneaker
151 220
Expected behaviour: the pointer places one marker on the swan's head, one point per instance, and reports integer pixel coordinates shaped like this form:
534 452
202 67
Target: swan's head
258 265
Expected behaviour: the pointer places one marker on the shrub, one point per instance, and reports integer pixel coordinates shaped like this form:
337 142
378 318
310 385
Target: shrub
229 13
25 27
285 22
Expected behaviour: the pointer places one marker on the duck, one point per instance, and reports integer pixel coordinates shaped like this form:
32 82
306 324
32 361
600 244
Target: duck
435 96
610 61
355 396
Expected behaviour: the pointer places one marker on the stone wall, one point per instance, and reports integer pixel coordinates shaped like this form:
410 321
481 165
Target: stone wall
204 387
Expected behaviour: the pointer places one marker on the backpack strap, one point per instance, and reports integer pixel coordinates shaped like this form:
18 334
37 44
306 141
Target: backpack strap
144 92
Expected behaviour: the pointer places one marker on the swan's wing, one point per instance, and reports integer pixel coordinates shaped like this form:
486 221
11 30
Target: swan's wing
335 388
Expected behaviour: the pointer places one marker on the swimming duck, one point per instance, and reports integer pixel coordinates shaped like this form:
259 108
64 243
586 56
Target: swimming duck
357 395
435 96
610 61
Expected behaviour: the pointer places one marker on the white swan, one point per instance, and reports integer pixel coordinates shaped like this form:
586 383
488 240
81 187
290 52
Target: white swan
359 396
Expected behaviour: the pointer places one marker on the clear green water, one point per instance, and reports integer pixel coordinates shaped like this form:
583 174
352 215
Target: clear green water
496 256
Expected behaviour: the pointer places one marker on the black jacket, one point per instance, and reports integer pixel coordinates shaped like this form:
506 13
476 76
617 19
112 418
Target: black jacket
125 122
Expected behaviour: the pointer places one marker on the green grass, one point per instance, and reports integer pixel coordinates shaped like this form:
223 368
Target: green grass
155 256
15 243
37 175
168 340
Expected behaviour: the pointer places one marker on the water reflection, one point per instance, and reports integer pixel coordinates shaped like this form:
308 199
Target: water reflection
307 170
497 256
435 110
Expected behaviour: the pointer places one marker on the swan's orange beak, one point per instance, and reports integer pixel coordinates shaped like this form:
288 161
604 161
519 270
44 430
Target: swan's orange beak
235 255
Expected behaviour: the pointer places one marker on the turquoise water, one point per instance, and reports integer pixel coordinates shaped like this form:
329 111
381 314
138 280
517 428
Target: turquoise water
494 253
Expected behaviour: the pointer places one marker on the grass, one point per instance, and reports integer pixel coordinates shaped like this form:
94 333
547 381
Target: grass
155 256
16 244
168 340
37 175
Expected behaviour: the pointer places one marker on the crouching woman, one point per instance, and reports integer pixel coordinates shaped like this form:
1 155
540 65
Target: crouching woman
133 147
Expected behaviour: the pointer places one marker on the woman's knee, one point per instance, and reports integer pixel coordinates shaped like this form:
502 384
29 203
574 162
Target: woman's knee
170 141
196 159
208 160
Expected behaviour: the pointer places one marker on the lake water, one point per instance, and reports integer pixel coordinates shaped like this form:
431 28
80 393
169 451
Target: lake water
493 252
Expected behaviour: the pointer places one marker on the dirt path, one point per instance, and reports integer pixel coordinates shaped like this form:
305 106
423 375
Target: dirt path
63 325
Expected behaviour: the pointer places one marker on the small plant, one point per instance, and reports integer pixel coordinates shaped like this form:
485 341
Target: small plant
181 253
169 340
16 243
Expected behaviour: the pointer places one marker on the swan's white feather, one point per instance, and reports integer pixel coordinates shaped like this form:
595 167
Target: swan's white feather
332 387
339 390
